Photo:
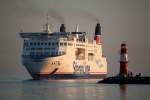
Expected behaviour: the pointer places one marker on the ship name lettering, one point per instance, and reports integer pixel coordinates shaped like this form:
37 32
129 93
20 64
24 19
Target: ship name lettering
56 63
81 69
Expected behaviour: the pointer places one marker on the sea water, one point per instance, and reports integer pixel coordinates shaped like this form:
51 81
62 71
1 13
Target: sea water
70 90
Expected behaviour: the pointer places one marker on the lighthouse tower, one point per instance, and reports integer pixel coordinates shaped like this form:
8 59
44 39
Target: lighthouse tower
123 60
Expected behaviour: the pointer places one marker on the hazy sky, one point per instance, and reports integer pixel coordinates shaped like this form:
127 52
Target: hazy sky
121 20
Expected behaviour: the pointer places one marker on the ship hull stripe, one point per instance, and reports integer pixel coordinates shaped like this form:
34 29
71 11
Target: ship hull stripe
72 73
69 76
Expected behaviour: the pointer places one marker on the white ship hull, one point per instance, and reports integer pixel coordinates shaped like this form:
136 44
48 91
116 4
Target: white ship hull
63 68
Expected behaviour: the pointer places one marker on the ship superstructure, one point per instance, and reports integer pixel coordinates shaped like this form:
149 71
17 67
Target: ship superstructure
63 55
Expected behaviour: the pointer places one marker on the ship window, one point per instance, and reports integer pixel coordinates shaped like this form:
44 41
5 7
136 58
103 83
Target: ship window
53 43
56 43
39 48
31 43
56 53
49 43
46 53
47 48
34 43
80 45
45 43
63 52
38 43
61 44
59 53
65 44
52 53
27 48
32 48
52 48
70 44
25 44
41 43
80 54
39 53
31 53
90 56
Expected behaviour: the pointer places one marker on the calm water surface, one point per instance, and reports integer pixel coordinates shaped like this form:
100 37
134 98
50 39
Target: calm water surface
71 90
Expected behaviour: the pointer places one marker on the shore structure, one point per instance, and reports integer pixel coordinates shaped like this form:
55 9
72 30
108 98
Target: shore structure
125 76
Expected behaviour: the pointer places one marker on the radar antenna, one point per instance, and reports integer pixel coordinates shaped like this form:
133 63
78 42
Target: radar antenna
76 29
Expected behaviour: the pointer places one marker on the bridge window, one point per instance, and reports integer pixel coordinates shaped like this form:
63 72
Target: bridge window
52 53
63 52
56 43
27 48
39 48
38 43
80 45
31 43
32 48
25 44
49 43
46 48
52 48
32 53
70 44
53 43
61 44
45 43
90 56
34 43
65 44
80 54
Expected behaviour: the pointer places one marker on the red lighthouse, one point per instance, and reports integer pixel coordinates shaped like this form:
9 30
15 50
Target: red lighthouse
124 60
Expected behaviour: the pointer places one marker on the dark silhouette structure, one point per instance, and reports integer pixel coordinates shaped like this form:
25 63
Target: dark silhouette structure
124 76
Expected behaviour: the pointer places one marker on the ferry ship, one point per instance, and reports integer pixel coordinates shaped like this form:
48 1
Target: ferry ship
63 55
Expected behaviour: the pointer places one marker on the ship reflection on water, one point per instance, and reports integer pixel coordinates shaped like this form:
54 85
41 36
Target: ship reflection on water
61 90
123 91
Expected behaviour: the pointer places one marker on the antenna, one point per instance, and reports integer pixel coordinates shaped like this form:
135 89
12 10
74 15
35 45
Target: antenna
76 29
21 31
47 26
47 19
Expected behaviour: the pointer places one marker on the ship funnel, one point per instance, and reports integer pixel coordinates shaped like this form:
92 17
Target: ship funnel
97 37
62 28
98 29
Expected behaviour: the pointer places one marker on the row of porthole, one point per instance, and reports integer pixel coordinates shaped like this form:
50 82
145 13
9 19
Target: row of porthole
49 43
40 48
38 43
47 53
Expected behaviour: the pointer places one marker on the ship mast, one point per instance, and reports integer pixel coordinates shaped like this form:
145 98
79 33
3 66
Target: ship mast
47 25
77 29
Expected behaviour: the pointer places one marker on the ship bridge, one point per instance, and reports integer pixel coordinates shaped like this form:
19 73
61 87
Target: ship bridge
42 45
51 44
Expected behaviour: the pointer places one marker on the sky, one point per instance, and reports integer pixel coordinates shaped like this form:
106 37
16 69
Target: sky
121 21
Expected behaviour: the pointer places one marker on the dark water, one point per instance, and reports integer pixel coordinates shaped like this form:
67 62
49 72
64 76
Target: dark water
71 90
